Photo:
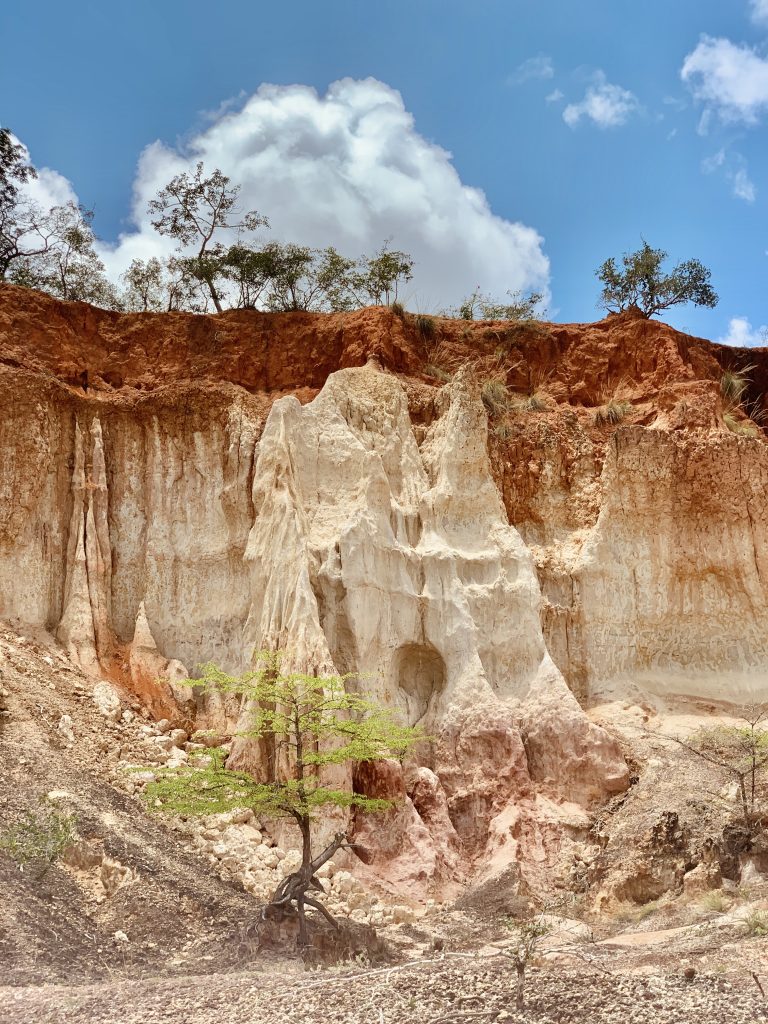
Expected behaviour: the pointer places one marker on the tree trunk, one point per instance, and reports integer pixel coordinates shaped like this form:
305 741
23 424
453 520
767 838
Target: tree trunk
520 995
214 294
292 891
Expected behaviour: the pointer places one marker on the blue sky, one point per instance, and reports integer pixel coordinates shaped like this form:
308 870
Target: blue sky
573 119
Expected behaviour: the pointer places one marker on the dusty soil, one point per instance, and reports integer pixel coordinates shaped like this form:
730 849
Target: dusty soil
446 989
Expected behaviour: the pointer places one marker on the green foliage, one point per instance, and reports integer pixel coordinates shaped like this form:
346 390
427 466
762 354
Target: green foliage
14 168
737 426
426 326
380 275
642 283
612 413
756 923
478 306
305 279
305 725
527 936
194 209
308 723
715 901
398 309
63 260
39 836
740 754
733 385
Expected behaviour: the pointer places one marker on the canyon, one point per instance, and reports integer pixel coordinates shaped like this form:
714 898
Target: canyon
527 538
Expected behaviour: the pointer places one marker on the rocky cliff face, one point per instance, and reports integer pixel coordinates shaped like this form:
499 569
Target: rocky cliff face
178 489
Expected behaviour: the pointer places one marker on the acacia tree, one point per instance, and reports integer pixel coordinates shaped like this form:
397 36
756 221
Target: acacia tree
64 262
301 278
642 283
306 725
19 216
382 274
194 209
739 753
14 167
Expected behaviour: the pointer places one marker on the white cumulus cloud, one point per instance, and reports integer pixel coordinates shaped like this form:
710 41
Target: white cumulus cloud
759 11
348 169
605 104
743 335
729 78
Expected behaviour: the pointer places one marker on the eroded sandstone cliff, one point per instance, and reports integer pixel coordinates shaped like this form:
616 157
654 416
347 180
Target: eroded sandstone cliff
176 489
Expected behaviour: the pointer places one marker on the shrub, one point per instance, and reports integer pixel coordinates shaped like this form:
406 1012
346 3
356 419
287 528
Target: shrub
398 309
527 937
503 431
426 326
432 370
612 412
479 306
737 426
532 403
756 923
716 901
495 397
733 385
39 836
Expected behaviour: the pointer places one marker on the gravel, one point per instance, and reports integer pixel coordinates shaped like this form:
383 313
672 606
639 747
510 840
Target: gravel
447 990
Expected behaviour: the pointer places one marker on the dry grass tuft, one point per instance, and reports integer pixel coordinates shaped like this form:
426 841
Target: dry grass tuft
426 326
737 426
612 413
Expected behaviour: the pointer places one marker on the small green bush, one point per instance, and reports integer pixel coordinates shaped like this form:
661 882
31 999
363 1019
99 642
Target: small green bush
426 326
432 370
612 412
737 426
398 309
39 836
756 923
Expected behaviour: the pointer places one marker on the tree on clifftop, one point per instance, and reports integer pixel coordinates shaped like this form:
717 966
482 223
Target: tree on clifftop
14 167
643 284
192 209
306 725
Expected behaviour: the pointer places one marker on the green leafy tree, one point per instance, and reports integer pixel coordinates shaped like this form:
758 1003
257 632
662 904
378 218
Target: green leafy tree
250 268
195 209
301 278
641 282
305 726
14 167
145 286
20 218
66 263
527 937
381 275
